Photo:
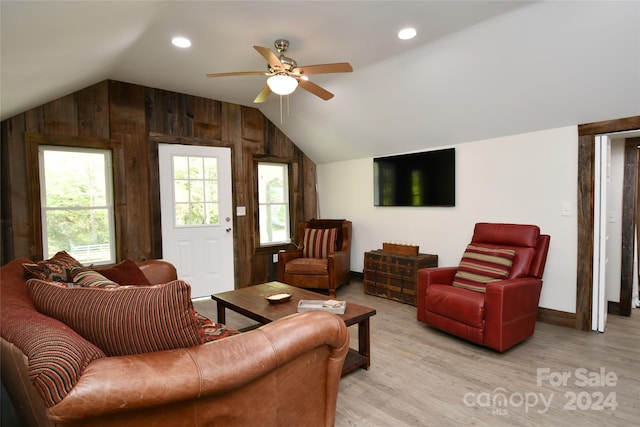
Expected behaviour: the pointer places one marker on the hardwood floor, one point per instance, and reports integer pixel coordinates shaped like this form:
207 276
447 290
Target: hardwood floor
422 377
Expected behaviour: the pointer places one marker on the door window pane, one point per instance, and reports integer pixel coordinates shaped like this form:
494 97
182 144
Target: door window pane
195 183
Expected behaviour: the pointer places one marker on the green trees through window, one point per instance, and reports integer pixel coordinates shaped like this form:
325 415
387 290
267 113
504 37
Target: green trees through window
77 203
195 181
273 201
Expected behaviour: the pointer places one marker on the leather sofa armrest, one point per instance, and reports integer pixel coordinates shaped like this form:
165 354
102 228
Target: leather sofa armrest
435 275
341 261
511 310
431 276
158 271
284 257
127 384
511 298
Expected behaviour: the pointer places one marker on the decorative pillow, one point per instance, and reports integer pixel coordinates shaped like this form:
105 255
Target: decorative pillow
216 331
480 265
319 243
88 278
125 273
56 268
123 320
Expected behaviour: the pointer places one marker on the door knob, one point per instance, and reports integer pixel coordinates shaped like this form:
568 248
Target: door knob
228 229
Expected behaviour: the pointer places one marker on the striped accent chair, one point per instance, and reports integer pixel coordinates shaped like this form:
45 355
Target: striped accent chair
322 258
491 298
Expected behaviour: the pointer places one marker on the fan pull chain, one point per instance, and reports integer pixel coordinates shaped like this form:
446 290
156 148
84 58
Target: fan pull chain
280 109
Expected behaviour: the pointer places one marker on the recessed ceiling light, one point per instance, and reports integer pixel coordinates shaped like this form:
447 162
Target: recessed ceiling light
181 42
407 33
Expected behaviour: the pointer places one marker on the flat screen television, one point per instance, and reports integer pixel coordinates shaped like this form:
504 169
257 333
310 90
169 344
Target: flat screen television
417 179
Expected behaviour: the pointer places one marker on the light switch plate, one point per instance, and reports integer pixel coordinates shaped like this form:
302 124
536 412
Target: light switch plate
241 210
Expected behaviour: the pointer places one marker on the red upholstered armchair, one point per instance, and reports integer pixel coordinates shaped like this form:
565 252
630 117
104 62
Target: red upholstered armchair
323 258
492 297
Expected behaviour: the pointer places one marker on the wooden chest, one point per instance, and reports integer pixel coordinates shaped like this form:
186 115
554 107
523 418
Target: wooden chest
394 276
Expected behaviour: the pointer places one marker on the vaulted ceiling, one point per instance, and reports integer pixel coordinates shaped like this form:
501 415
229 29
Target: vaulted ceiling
476 69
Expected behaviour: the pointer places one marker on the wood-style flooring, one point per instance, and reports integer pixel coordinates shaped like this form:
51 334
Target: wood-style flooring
422 377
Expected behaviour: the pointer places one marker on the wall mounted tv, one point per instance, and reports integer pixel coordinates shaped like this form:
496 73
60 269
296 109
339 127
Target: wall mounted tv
417 179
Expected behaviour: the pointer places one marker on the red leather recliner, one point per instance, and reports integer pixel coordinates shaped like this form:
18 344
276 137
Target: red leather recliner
504 313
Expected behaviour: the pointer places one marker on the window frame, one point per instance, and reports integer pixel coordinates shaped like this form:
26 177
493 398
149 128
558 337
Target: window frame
109 205
32 142
291 167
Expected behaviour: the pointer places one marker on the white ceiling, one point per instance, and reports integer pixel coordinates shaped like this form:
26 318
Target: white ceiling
476 70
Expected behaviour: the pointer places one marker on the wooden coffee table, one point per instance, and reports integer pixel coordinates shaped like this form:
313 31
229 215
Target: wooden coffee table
251 302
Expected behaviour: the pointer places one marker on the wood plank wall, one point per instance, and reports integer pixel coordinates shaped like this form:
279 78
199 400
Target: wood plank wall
137 118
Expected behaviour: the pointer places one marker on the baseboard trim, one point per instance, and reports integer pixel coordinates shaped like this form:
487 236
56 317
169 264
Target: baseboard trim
556 317
354 275
614 308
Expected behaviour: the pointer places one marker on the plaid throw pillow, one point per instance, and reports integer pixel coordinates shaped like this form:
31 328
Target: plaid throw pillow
480 266
319 243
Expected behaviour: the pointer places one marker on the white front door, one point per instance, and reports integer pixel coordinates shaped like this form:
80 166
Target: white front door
197 220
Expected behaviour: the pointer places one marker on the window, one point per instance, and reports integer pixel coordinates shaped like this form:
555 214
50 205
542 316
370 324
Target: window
76 196
195 182
273 201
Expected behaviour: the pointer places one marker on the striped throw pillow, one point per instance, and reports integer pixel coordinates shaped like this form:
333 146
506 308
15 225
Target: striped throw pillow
86 277
480 266
319 243
123 320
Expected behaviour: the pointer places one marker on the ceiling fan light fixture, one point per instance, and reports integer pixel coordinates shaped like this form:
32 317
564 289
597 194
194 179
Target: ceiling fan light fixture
282 84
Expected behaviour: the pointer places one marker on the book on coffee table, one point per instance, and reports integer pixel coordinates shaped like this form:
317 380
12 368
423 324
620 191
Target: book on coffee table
332 306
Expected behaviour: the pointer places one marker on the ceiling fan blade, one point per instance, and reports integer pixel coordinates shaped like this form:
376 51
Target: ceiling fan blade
339 67
272 59
315 89
239 73
263 95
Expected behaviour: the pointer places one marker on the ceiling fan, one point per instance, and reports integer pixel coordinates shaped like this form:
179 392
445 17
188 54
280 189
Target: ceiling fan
285 75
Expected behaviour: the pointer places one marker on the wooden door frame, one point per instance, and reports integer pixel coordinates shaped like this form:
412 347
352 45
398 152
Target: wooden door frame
586 159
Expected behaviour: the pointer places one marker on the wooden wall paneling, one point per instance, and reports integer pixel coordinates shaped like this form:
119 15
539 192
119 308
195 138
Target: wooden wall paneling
184 115
207 118
93 111
231 115
34 120
132 118
155 118
310 197
630 192
128 126
154 199
253 126
16 239
171 113
61 116
584 291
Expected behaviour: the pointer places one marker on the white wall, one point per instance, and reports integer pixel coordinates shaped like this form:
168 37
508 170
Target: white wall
519 179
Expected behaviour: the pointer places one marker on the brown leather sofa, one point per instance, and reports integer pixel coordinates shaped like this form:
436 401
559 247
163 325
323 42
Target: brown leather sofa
501 313
284 373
